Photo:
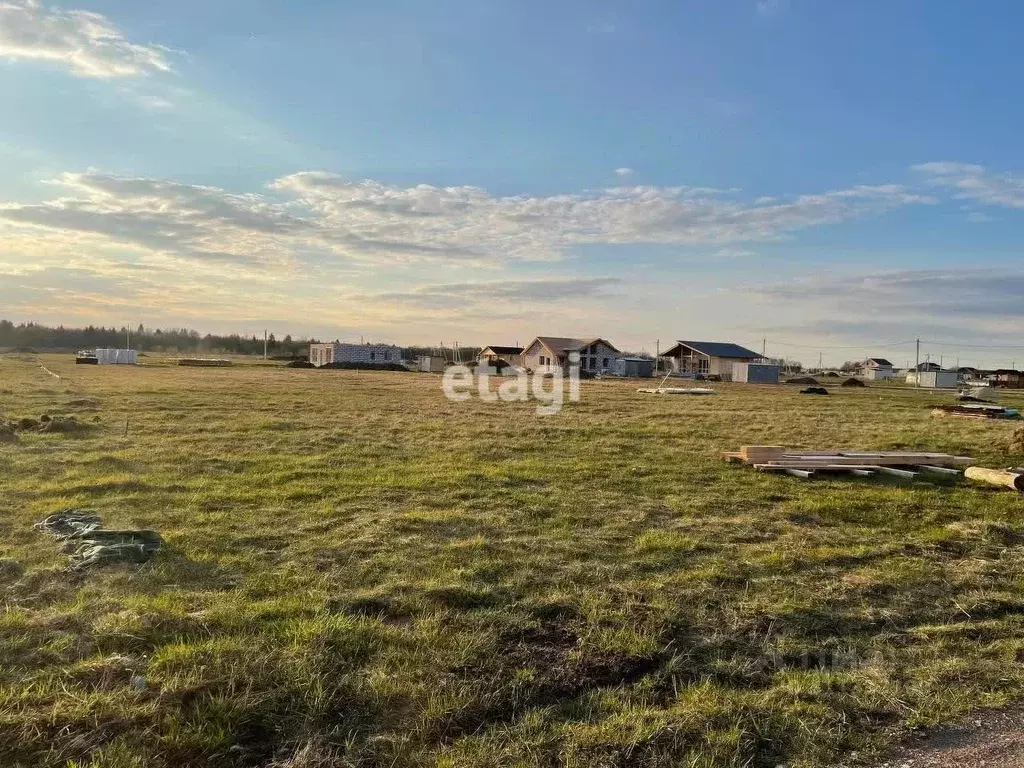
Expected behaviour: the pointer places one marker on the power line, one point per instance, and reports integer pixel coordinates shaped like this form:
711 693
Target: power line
851 346
972 346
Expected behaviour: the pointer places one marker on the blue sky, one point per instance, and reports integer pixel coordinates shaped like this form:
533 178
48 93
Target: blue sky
828 175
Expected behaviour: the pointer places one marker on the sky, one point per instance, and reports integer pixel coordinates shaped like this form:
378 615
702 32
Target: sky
821 178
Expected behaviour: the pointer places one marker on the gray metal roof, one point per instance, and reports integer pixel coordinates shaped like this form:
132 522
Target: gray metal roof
720 349
559 345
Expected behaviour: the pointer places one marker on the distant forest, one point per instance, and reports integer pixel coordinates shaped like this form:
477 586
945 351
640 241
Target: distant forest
171 340
42 337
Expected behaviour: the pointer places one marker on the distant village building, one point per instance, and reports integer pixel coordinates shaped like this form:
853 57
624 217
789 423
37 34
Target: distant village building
878 369
709 358
494 354
338 352
1008 378
545 354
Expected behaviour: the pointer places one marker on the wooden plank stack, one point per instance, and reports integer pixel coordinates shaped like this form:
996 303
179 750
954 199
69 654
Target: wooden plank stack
979 411
806 464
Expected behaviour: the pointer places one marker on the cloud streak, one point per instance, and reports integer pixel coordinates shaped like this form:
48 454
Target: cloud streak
975 183
980 293
570 289
86 43
369 222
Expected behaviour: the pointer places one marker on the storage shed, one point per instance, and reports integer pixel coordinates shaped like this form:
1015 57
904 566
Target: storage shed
431 364
938 379
634 367
756 373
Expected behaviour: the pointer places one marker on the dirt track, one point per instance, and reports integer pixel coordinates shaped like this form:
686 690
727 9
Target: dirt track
990 739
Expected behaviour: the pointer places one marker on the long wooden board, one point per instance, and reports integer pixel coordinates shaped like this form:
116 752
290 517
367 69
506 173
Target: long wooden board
838 461
884 458
782 466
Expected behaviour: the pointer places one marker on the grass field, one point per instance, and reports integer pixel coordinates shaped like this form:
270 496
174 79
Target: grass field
359 572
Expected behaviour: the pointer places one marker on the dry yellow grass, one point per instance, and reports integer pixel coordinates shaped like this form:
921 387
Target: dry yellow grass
359 572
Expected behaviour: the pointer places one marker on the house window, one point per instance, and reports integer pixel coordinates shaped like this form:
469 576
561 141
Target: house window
604 364
373 356
703 365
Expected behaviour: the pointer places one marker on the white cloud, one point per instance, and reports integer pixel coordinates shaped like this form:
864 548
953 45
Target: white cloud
311 213
623 172
87 43
976 183
544 228
771 7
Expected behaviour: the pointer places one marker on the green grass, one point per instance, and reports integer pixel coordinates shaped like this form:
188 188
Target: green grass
361 573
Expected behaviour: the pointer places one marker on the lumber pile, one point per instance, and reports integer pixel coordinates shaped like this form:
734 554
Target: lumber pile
675 391
806 464
976 411
204 362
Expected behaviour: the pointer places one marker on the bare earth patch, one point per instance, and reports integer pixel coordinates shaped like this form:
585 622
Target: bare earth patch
993 739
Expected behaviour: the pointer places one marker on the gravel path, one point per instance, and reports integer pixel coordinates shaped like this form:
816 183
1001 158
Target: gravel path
990 740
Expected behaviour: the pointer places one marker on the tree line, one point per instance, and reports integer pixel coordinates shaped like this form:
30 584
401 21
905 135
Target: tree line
42 337
36 337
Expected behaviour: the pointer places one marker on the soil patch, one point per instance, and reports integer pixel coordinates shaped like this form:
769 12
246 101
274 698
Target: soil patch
9 429
994 738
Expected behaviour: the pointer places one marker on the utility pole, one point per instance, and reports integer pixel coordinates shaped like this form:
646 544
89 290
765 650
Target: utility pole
264 343
819 362
657 354
128 336
917 365
764 349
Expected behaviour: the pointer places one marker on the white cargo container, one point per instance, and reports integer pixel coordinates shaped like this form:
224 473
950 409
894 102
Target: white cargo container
938 379
117 357
756 373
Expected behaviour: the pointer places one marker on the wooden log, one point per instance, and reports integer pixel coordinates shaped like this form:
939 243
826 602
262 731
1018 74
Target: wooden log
1000 477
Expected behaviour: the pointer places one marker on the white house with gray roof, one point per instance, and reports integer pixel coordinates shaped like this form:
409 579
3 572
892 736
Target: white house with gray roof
708 358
